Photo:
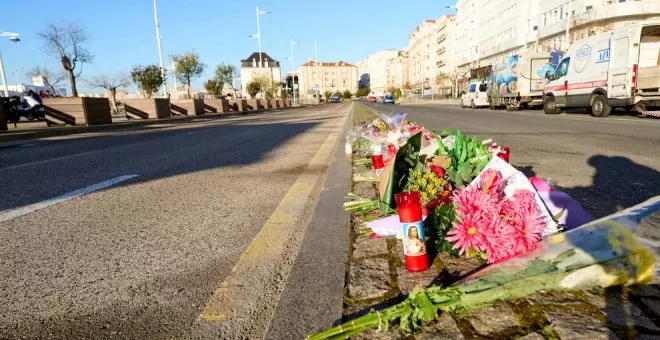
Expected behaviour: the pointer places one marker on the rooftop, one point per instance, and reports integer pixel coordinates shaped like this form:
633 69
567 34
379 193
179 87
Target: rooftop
323 63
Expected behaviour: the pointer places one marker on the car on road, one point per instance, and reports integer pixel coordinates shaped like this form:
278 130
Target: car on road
388 99
476 96
335 99
373 99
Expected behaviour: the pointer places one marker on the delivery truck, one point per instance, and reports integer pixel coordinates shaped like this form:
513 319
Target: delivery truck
517 81
617 69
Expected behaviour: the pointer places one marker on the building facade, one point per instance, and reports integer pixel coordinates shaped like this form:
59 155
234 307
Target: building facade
397 71
489 30
250 68
326 76
374 70
423 55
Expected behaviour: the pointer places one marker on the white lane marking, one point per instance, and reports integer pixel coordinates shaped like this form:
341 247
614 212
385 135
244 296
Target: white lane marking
7 215
13 167
28 145
194 132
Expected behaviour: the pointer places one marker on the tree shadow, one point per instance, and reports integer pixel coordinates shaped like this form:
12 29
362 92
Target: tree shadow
618 183
29 170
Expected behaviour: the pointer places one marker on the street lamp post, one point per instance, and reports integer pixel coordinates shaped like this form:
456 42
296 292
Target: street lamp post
160 49
13 37
258 36
293 70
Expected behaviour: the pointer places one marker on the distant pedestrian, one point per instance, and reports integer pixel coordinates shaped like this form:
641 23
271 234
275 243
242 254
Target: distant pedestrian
42 94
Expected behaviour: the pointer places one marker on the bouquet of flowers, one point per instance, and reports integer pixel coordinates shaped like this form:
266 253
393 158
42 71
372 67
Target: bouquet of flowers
492 225
616 250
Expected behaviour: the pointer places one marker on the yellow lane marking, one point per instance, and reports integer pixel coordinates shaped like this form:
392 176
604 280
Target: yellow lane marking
245 301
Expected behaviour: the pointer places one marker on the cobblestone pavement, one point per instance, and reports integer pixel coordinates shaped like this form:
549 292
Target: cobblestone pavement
377 278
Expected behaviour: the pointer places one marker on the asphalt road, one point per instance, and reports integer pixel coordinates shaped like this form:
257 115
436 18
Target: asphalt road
141 258
605 163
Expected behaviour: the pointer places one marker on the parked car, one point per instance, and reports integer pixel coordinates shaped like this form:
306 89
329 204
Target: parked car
620 68
388 99
373 99
476 96
335 99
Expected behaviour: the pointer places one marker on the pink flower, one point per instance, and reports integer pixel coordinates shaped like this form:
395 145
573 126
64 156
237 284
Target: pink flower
491 181
473 201
467 234
498 243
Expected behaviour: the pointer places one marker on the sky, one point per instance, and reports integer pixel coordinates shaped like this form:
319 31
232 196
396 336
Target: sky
122 32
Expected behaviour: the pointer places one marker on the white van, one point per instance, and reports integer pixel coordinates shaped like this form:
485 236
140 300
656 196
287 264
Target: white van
476 96
613 69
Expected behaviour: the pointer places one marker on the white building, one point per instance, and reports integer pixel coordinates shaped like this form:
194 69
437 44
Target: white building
588 17
374 68
250 67
423 55
489 30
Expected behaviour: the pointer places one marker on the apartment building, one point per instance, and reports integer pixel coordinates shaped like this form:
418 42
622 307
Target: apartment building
397 71
423 55
588 17
251 67
490 30
326 76
374 70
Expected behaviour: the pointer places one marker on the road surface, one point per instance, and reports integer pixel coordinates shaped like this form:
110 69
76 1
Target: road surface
605 163
179 211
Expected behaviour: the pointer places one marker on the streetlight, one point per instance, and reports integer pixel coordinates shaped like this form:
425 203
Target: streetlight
160 49
258 35
13 37
293 70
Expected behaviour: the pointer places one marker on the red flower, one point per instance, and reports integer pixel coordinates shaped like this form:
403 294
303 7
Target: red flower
438 171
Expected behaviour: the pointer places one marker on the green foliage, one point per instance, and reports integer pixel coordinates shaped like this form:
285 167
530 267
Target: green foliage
253 87
397 93
468 157
214 86
347 94
437 225
225 73
362 92
148 78
338 94
187 66
327 95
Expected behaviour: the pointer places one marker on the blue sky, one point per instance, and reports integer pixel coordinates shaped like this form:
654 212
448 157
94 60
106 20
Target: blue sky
123 34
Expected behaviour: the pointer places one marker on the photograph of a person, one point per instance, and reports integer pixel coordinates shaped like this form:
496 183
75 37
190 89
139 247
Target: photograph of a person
414 243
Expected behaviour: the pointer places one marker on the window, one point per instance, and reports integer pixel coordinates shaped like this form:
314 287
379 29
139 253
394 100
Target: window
562 69
473 88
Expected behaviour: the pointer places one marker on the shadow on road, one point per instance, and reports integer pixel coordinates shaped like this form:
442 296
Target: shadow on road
203 147
618 183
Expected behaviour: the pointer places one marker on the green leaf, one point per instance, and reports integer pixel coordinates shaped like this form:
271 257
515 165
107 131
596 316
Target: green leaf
559 215
441 147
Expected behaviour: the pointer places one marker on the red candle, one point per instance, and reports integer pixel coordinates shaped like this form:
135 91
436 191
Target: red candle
410 216
504 154
378 162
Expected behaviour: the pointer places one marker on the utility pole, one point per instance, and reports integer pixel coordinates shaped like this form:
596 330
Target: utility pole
259 37
160 50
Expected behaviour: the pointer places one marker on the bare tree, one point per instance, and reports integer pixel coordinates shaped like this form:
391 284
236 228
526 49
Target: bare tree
67 42
110 84
51 79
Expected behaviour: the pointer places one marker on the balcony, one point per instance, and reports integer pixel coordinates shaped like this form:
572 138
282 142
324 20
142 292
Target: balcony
442 50
610 12
442 37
